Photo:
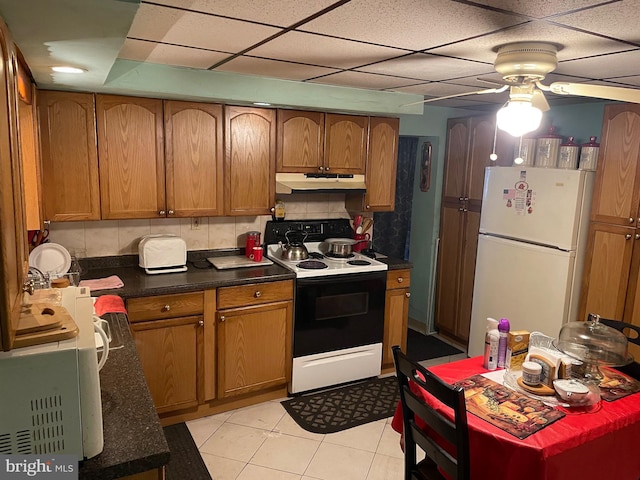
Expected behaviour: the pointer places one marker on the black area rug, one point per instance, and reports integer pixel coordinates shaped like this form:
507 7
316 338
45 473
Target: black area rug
425 347
335 410
185 461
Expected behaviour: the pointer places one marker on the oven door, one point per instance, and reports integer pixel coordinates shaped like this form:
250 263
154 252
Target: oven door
336 312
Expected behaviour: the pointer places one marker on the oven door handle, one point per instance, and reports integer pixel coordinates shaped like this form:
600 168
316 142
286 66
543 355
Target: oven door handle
342 278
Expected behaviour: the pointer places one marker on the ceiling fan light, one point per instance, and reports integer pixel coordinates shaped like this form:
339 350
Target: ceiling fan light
518 118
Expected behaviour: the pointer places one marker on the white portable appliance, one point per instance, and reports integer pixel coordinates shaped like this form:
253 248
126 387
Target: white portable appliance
50 401
533 233
162 254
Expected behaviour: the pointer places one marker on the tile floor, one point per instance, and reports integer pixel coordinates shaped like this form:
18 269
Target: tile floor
262 442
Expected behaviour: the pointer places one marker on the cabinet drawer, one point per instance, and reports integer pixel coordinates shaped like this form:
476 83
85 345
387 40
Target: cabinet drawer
398 279
165 306
254 294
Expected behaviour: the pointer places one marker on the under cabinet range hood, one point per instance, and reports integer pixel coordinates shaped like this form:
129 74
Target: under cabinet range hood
311 182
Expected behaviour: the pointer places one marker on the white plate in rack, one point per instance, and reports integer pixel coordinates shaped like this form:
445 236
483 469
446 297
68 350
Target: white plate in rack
50 258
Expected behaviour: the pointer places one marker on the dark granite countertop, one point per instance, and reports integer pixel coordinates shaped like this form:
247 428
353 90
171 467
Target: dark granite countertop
134 441
137 283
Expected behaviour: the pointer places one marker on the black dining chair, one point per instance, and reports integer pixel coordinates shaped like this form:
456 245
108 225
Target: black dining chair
455 433
632 332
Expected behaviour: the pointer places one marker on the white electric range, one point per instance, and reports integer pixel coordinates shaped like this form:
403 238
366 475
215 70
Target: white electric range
339 307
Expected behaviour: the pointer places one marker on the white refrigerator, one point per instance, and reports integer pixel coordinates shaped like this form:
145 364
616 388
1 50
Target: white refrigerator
533 233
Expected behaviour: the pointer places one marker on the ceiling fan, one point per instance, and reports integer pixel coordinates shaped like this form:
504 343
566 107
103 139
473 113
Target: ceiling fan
523 66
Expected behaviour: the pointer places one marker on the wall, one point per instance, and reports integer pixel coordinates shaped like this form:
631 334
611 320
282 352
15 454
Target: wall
580 120
121 237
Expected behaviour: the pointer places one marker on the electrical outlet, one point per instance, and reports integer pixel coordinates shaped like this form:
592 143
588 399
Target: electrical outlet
195 223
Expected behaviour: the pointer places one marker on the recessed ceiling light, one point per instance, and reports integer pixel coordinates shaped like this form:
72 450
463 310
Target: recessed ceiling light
262 104
66 69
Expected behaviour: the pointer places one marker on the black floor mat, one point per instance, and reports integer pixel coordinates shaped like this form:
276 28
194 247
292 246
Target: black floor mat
335 410
426 347
185 461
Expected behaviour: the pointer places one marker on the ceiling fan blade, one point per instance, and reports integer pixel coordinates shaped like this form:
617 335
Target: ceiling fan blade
478 92
596 91
539 101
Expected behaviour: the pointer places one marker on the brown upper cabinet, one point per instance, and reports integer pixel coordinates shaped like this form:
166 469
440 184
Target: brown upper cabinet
300 141
250 160
70 186
131 149
316 142
159 159
194 159
382 161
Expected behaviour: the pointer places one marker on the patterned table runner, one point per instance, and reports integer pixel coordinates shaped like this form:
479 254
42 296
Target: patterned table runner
616 384
507 409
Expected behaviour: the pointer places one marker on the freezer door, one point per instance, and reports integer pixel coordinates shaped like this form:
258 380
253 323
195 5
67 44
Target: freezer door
547 206
532 286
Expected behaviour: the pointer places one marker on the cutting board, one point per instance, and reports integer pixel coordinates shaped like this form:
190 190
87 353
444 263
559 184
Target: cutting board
44 323
237 261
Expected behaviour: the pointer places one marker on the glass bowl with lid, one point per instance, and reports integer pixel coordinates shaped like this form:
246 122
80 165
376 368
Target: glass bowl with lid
595 344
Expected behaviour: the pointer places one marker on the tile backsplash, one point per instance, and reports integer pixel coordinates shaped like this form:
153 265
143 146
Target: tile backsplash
120 237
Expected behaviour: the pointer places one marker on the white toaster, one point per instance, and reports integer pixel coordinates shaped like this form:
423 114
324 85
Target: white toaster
162 254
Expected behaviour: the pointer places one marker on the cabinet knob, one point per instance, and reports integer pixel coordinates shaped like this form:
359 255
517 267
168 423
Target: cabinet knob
631 220
627 236
162 213
637 236
321 168
368 207
222 318
408 294
166 308
171 212
201 323
258 294
326 169
400 279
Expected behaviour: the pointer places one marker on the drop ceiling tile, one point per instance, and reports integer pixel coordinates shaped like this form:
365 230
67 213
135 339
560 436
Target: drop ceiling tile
611 20
323 51
630 80
196 30
363 80
409 24
609 66
539 9
423 66
575 44
144 51
273 68
274 12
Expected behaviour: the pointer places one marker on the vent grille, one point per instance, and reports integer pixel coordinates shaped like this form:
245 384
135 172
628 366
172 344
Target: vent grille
47 428
18 442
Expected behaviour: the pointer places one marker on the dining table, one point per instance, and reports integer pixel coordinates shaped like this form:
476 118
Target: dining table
595 444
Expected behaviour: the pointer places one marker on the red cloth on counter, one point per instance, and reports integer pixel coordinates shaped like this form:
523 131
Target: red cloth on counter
588 446
109 304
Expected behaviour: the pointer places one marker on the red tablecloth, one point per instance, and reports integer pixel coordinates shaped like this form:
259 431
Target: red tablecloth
589 446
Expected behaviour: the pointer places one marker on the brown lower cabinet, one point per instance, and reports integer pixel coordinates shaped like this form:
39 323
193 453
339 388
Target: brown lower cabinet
199 348
396 314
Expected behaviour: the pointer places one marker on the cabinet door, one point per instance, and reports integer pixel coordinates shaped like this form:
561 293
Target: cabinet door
169 352
131 152
382 161
69 156
254 348
396 314
481 132
250 164
449 259
13 243
300 144
194 159
467 274
453 187
616 193
345 144
607 270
